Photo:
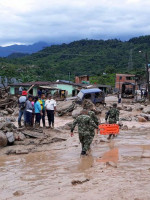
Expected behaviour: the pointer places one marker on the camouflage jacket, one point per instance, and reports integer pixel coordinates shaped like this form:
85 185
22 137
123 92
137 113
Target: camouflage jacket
84 124
94 118
113 115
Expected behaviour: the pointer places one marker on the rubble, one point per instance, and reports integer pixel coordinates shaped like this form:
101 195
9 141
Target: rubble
65 107
146 116
3 139
146 110
87 104
128 118
141 119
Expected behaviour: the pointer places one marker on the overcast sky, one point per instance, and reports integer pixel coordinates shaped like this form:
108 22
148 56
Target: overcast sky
56 21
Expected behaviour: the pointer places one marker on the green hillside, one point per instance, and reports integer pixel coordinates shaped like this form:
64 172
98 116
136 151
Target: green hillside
92 57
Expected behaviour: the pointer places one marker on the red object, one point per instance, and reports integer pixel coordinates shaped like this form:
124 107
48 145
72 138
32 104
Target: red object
107 129
24 93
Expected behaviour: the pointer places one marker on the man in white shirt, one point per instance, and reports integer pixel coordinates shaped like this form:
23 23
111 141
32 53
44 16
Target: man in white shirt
50 106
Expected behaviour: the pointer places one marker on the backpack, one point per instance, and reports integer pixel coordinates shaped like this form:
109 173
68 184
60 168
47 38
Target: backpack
22 105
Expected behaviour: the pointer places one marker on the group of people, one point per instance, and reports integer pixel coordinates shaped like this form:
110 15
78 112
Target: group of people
87 123
34 110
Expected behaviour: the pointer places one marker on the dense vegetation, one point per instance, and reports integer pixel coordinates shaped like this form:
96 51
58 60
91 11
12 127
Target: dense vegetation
97 58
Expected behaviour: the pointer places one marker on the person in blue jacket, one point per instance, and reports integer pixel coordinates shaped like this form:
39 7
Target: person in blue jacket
37 111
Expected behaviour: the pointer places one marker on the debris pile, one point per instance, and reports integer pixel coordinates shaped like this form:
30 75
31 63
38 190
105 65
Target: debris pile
73 109
7 101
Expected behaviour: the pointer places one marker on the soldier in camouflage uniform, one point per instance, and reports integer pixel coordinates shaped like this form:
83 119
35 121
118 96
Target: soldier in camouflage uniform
95 119
84 129
113 115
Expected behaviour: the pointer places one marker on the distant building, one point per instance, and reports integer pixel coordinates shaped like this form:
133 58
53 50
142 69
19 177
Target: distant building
84 79
63 88
123 78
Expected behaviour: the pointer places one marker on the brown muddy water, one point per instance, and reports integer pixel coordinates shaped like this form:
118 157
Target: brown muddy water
116 170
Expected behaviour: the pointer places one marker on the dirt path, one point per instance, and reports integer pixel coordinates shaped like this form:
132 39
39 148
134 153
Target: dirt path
113 171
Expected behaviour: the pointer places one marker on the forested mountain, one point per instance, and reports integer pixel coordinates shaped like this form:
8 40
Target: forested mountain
93 57
23 49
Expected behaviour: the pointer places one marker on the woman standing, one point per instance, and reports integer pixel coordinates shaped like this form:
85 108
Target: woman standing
37 111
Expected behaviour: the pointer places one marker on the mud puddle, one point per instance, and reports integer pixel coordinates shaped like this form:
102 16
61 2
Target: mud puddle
115 170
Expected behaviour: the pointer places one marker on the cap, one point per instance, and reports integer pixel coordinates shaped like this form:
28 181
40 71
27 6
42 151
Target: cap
24 93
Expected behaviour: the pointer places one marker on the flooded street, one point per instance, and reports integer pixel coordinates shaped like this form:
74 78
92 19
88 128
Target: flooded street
114 170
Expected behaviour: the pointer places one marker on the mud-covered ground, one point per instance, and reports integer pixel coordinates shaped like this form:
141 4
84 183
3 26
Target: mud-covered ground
53 169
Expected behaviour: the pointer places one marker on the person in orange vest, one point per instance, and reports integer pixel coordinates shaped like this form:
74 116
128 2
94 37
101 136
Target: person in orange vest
113 116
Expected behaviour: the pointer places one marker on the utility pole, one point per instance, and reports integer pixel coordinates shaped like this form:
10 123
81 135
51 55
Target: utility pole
147 77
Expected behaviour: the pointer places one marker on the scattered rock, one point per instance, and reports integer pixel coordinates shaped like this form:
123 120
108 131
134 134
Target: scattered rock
129 109
10 137
18 193
111 164
146 116
76 182
125 119
146 110
19 151
138 107
21 137
141 119
3 139
125 127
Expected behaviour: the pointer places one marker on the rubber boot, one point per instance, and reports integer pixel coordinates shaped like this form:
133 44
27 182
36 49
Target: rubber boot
52 125
19 125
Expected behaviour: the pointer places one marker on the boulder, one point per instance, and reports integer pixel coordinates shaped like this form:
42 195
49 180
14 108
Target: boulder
3 139
125 128
21 136
141 119
138 107
87 104
146 116
77 112
125 119
129 109
146 110
10 137
63 105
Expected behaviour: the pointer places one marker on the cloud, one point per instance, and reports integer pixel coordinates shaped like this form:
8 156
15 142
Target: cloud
28 21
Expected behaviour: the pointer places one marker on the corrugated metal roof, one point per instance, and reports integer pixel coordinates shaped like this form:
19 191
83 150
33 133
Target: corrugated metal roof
92 90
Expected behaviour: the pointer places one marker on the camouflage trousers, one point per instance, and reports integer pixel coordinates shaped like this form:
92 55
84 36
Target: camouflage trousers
86 141
112 121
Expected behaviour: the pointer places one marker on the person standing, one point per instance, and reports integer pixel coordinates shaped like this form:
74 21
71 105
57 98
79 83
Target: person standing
42 103
113 115
37 111
50 106
119 97
95 119
22 106
29 110
85 123
20 90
